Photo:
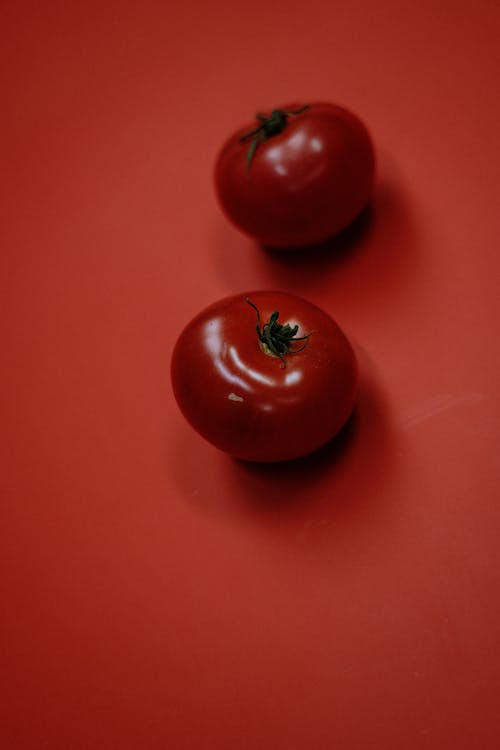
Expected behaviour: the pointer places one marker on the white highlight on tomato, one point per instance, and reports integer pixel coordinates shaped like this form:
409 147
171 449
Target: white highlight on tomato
293 377
253 374
214 343
315 144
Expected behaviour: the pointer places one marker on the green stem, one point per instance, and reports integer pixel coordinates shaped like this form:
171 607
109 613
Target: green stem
278 338
269 126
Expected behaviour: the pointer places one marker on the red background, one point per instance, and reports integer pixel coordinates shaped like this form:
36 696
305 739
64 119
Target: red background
155 593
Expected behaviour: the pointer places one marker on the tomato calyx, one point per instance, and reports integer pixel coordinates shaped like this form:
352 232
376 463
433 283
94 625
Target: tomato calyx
269 126
276 339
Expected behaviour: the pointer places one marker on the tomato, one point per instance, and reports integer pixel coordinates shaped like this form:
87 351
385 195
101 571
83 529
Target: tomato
296 176
265 376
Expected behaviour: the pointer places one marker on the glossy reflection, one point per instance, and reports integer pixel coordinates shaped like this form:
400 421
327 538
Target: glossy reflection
316 145
276 157
248 371
216 347
302 145
238 373
292 378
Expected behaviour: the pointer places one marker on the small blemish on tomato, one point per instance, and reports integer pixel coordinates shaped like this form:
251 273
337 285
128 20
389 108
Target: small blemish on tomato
234 397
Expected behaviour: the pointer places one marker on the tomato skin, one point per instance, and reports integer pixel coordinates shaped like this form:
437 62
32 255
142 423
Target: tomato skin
305 184
244 401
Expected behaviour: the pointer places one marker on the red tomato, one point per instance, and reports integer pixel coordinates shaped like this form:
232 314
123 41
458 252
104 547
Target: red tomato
297 176
271 385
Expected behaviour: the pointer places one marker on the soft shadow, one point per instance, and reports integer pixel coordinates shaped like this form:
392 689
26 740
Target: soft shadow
375 256
341 478
332 249
288 482
341 482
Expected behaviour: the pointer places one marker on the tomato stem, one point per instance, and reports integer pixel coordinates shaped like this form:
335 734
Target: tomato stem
268 127
277 338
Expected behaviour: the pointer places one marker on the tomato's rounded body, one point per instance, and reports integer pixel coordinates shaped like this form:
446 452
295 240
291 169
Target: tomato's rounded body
252 404
302 185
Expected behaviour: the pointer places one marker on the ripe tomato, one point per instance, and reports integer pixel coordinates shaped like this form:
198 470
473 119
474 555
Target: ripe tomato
297 176
265 376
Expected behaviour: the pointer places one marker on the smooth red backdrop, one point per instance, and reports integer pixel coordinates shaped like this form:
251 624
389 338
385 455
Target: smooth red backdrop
155 593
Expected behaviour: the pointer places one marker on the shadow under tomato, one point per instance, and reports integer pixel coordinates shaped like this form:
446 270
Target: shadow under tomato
342 482
344 472
375 257
378 248
286 481
331 249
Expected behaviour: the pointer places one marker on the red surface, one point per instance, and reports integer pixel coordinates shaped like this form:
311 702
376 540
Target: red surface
155 593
